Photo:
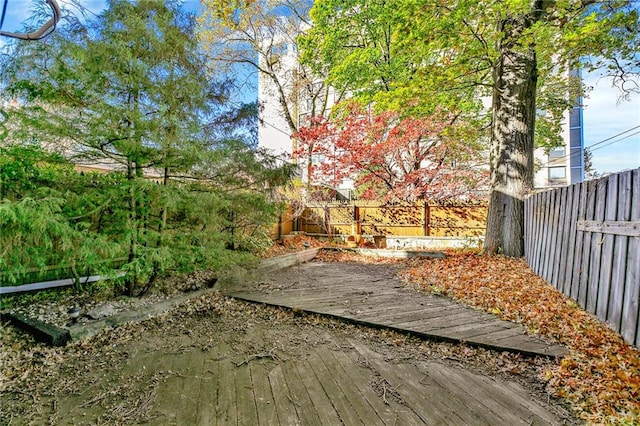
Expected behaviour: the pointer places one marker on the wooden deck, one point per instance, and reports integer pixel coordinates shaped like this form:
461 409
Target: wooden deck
331 386
372 295
251 367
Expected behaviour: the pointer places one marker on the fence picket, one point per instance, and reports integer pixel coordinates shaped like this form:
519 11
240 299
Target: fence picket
586 245
537 236
567 270
576 274
561 239
600 270
621 242
546 239
630 316
527 232
609 205
553 235
597 239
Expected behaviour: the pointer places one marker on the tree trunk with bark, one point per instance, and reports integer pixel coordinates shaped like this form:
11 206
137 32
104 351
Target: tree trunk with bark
514 107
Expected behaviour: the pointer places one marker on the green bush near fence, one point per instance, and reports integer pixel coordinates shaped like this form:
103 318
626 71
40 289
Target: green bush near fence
66 224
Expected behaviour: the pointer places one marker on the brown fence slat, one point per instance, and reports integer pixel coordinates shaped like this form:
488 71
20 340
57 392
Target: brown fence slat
541 213
545 243
553 235
561 239
597 239
527 230
586 244
535 235
577 258
618 272
567 261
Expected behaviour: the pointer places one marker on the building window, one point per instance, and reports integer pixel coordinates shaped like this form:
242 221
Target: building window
556 152
557 174
574 118
318 158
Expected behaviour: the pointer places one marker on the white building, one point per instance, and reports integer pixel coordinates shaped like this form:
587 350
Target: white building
563 165
274 132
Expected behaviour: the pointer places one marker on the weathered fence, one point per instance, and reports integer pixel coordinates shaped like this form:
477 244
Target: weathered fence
584 239
419 219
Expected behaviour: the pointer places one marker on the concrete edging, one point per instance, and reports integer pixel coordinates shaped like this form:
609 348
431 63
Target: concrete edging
400 254
56 336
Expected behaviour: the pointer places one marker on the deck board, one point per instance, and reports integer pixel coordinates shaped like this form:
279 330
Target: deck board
318 373
345 410
322 404
282 397
344 382
370 295
265 404
303 403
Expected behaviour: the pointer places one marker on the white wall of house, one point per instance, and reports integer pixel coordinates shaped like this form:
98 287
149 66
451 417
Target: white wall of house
274 133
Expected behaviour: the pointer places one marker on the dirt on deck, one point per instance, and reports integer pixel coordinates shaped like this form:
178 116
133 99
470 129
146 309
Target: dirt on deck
143 372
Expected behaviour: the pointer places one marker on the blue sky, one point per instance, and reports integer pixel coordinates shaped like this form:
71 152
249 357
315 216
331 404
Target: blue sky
603 115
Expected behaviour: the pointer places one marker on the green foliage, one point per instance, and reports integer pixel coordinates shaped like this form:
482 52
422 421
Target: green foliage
413 56
19 170
35 234
131 91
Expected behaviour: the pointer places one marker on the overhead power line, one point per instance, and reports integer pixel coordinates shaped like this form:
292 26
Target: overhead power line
596 146
611 143
614 136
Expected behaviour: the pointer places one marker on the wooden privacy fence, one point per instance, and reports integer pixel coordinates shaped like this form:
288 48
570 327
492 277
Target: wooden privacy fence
370 218
584 239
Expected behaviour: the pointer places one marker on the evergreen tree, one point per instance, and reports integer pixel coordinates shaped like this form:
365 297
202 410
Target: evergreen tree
132 91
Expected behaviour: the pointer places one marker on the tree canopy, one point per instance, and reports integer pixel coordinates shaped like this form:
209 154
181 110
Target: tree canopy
416 55
391 158
261 36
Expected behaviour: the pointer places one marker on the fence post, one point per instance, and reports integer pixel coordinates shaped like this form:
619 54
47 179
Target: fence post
426 218
356 219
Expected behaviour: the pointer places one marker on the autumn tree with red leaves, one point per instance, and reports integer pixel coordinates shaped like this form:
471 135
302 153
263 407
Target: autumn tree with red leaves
391 158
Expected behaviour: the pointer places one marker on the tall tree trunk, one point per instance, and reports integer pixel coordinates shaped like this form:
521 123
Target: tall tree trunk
514 107
131 280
